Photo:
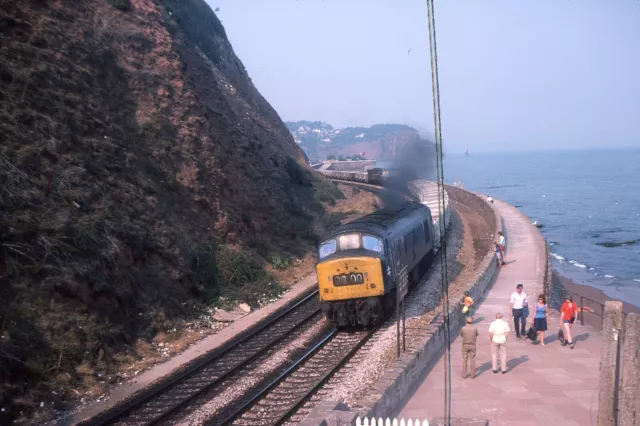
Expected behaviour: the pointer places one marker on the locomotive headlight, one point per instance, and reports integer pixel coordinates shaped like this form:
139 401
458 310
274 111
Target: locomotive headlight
372 286
326 290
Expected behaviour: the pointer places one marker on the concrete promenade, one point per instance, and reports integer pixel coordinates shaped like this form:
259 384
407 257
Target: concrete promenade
551 385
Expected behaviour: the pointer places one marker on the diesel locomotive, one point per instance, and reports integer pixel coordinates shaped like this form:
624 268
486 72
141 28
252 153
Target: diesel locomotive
361 263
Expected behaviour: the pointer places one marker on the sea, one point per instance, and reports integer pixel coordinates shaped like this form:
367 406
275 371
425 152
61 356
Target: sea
586 203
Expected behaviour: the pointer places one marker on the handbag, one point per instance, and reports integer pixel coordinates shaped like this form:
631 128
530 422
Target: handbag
561 336
531 334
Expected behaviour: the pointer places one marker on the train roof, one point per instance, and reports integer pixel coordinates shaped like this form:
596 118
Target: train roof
382 221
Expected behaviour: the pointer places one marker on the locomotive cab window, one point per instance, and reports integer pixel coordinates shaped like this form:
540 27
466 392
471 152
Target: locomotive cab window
372 243
327 248
349 241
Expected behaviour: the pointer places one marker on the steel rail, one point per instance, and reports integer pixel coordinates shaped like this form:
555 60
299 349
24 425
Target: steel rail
237 345
308 392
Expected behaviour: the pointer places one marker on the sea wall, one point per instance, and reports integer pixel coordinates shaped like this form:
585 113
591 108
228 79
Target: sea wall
475 202
400 379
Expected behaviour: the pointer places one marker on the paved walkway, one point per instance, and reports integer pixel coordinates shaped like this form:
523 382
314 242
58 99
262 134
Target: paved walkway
551 385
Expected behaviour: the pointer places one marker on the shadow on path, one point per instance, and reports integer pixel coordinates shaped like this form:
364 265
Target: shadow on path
513 363
581 337
483 368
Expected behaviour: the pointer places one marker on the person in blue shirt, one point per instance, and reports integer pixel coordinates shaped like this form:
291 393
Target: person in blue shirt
541 318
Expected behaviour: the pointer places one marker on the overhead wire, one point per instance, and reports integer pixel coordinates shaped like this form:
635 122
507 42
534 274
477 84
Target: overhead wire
437 124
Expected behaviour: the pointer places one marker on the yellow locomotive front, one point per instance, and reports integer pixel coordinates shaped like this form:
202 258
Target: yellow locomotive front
351 281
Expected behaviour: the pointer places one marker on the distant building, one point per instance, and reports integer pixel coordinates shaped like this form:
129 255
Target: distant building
360 136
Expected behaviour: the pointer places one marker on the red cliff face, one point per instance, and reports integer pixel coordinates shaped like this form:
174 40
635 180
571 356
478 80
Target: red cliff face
132 144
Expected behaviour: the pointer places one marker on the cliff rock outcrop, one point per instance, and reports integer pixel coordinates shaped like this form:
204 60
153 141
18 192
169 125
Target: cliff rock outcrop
138 166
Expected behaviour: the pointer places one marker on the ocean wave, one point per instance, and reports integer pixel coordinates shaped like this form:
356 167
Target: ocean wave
577 264
637 280
609 276
557 257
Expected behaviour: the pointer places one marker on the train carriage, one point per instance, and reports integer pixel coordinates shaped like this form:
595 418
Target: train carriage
360 263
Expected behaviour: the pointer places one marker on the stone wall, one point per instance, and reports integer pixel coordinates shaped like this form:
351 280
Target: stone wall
352 176
475 202
405 374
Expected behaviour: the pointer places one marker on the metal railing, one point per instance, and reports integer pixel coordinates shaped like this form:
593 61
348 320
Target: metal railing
585 304
546 283
588 305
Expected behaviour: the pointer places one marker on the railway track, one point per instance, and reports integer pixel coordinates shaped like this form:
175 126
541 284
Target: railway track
289 394
273 398
223 368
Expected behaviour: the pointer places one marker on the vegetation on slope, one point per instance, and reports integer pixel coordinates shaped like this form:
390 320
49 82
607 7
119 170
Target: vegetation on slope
142 176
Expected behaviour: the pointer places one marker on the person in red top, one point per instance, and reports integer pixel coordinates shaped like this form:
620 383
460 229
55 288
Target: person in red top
568 313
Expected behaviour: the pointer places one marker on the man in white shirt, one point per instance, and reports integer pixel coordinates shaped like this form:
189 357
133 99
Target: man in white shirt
516 306
498 333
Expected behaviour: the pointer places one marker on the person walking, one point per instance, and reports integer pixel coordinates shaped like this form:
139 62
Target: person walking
498 333
516 306
499 260
469 334
467 303
540 320
568 312
502 242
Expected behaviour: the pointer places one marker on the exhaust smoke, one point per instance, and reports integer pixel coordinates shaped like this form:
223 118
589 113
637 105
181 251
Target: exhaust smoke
415 160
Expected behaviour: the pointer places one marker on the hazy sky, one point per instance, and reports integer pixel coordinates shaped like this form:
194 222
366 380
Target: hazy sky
514 74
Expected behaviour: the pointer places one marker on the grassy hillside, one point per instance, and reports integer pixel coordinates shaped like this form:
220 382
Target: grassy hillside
142 177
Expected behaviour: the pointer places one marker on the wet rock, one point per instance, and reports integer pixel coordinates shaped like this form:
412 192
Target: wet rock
244 307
